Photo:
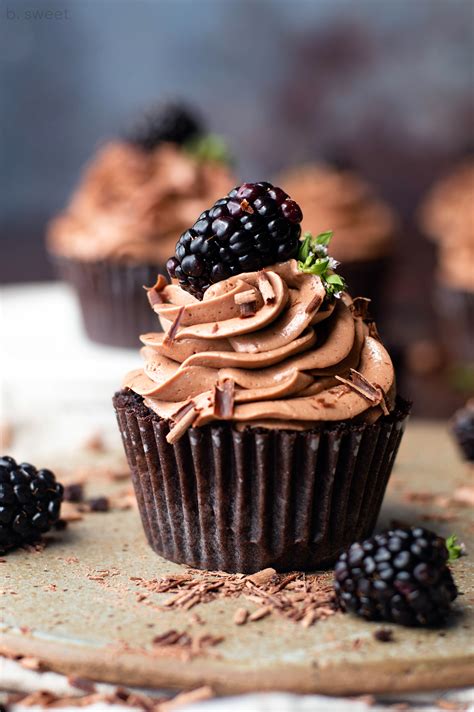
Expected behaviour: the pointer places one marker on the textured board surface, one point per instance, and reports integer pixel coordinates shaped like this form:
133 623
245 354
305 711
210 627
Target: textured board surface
60 607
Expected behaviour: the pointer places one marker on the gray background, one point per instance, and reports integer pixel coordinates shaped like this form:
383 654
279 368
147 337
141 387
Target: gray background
384 84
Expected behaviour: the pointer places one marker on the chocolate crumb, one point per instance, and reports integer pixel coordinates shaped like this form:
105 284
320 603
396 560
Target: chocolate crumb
74 492
246 207
99 504
384 635
240 616
81 683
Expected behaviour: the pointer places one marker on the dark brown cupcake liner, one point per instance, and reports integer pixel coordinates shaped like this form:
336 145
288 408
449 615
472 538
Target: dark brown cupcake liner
114 306
455 310
223 499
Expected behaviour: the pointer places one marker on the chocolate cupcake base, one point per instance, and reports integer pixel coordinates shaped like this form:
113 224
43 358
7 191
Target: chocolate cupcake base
115 310
224 499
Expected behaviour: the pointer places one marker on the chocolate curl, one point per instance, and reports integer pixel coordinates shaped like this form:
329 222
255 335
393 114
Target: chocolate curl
247 301
182 420
360 307
373 393
224 399
154 293
173 330
266 289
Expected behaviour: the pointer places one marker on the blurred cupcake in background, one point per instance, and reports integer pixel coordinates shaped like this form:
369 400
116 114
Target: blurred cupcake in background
447 217
338 199
133 201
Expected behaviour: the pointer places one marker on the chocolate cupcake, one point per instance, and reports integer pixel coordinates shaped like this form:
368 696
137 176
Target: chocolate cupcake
364 227
447 217
134 200
264 425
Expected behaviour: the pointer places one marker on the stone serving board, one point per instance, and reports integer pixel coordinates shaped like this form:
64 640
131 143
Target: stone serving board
58 607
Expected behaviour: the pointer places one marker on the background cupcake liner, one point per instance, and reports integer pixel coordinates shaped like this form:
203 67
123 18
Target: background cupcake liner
455 309
242 501
114 306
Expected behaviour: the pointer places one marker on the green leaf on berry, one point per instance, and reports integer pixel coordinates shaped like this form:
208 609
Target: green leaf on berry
313 258
455 550
209 147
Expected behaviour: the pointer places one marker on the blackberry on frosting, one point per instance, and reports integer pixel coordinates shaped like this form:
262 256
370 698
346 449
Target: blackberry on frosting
254 226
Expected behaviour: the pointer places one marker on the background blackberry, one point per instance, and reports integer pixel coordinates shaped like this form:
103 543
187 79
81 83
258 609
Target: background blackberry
399 576
254 226
170 123
30 501
463 429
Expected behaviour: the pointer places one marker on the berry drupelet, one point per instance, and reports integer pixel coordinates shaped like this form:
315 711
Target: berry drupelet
167 123
30 502
254 226
399 576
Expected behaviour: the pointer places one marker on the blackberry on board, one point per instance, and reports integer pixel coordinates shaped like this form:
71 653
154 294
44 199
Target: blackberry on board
254 226
167 123
30 502
399 576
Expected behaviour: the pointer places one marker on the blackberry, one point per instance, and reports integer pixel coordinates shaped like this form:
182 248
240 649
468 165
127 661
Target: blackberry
167 123
30 502
463 429
399 576
255 225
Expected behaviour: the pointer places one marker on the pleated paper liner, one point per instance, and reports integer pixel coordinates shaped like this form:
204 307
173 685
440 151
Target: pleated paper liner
241 501
115 310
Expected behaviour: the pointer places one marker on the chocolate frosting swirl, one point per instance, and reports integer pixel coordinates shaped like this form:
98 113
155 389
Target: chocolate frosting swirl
340 200
132 205
263 349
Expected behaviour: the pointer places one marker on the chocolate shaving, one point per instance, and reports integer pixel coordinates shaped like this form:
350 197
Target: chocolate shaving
154 293
303 598
246 207
247 310
373 393
183 419
313 304
360 307
173 330
224 399
246 297
265 287
373 332
247 302
182 410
